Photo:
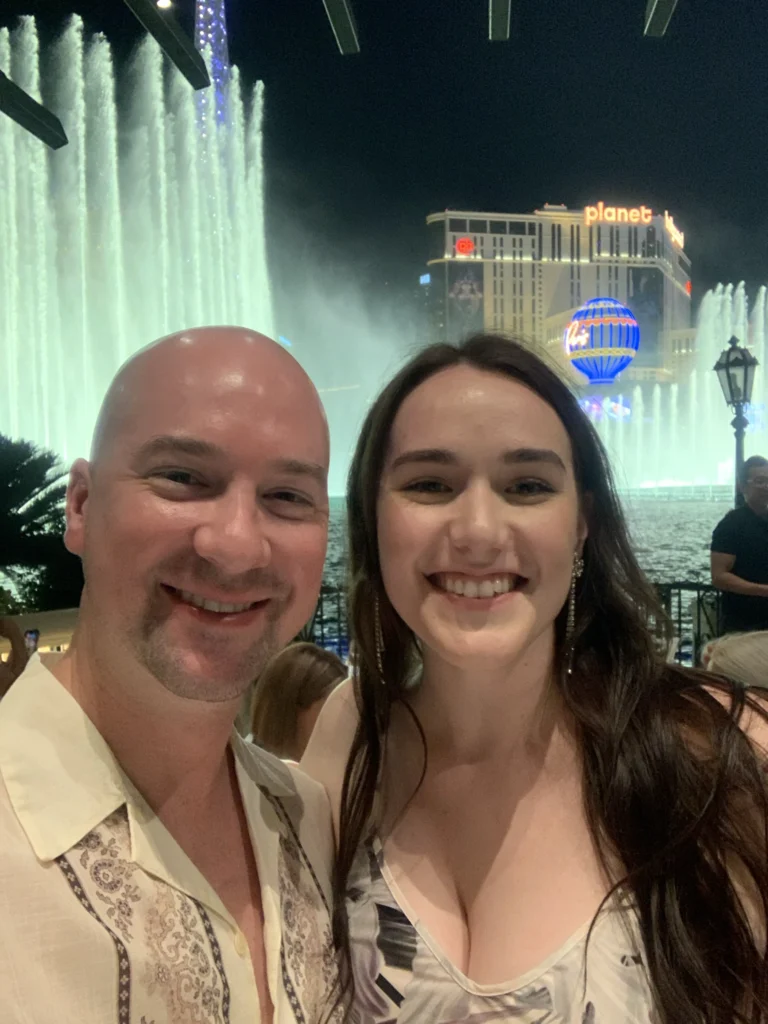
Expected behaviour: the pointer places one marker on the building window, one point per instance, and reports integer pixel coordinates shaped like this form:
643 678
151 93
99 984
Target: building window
599 242
497 227
457 224
649 245
516 227
480 226
591 246
436 239
532 228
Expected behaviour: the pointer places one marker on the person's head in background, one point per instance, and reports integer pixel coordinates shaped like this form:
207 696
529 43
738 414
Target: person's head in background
290 694
753 484
31 640
742 657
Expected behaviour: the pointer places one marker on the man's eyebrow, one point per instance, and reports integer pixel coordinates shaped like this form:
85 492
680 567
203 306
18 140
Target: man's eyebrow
533 455
169 444
297 467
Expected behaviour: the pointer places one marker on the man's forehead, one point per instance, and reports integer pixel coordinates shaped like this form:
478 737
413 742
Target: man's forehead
202 387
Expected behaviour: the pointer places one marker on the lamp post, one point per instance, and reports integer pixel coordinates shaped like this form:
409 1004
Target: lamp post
735 370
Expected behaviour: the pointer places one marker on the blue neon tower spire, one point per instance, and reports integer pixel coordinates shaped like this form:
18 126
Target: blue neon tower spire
211 31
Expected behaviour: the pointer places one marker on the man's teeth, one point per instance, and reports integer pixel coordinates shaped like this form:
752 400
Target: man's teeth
487 587
213 606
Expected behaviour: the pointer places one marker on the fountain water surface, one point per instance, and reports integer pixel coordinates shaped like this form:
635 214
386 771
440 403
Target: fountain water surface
142 225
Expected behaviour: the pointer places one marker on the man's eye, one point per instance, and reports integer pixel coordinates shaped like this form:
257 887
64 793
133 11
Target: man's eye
290 497
178 476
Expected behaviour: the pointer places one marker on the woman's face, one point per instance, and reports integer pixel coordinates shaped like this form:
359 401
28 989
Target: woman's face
478 516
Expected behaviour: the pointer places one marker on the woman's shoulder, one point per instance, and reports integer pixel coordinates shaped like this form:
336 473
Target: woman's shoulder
325 758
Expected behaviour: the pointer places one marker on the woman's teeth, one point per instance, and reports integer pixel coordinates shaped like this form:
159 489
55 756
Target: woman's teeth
487 586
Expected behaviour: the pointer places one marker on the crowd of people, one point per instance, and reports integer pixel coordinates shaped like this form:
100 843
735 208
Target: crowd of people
512 807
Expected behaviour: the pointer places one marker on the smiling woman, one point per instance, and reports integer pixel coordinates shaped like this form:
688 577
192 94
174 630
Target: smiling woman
523 789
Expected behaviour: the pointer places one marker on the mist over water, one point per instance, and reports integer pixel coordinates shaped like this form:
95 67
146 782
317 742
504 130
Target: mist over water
350 341
141 226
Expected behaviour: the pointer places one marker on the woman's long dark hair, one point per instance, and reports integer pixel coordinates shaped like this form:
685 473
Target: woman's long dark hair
673 789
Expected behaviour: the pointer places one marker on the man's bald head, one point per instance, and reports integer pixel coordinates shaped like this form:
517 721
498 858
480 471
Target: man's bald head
211 359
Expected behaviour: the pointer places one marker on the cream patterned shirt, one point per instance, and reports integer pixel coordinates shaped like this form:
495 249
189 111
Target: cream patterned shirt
103 917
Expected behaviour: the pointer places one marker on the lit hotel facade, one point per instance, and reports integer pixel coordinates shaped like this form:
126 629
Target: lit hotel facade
526 274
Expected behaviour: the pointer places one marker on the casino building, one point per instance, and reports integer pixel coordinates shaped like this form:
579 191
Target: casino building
527 274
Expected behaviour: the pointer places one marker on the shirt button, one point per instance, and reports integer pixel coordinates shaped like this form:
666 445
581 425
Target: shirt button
241 944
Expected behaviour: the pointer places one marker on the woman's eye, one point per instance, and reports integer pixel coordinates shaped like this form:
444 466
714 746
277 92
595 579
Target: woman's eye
531 488
427 487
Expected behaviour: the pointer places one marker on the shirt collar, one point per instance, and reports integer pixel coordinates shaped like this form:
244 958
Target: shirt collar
61 776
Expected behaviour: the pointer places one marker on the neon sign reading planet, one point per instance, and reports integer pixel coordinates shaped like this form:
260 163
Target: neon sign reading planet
632 215
618 214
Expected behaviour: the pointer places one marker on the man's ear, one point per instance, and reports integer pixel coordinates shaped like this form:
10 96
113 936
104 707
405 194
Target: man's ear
78 492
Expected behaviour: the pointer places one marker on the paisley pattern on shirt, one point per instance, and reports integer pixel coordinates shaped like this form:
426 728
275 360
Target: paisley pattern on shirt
402 977
307 956
180 978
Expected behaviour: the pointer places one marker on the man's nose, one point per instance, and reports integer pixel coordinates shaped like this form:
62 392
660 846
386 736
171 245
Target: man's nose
233 537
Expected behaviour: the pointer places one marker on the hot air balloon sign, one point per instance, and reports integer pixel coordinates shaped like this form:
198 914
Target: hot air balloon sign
602 339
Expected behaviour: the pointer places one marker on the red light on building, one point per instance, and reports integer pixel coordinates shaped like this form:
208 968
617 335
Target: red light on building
464 246
688 287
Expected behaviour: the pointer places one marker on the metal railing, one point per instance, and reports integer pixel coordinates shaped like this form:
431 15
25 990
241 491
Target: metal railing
693 608
329 626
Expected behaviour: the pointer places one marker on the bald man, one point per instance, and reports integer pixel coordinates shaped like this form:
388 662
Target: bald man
154 867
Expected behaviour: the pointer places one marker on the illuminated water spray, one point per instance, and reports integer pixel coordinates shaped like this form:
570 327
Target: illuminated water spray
141 226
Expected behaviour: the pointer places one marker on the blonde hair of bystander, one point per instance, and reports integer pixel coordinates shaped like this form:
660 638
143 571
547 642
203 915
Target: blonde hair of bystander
288 697
742 657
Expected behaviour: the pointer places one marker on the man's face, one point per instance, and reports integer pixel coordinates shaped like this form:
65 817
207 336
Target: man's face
755 490
203 528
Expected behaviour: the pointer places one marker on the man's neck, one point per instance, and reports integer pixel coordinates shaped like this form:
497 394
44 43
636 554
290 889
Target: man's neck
174 750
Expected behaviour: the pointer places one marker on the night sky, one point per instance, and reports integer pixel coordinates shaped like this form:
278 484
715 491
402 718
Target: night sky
577 107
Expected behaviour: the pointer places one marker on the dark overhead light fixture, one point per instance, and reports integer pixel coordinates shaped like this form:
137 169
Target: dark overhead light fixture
658 14
343 24
28 113
177 46
499 16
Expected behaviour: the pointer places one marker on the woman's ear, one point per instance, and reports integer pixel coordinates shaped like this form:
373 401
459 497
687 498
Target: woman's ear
582 527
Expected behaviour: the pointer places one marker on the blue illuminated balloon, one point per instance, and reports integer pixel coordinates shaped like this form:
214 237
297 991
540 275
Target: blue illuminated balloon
602 339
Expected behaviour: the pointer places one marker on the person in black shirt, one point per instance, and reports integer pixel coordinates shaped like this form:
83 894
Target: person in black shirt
739 554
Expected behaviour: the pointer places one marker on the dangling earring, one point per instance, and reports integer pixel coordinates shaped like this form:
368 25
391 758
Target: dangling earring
576 571
379 641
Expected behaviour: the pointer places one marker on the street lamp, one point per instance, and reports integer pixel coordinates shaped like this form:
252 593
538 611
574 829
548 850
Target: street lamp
735 370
